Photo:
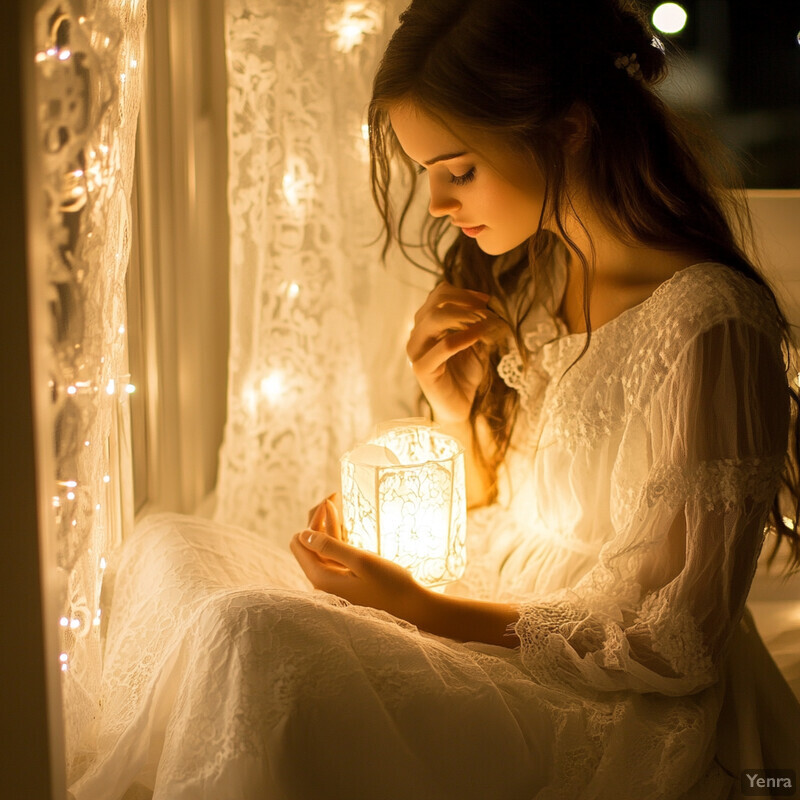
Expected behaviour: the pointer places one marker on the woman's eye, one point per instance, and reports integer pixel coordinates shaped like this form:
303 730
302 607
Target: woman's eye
460 180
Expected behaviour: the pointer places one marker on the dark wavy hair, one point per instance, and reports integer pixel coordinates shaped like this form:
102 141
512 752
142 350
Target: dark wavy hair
516 68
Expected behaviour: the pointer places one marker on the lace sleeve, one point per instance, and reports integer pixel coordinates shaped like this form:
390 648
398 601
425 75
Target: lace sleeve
656 612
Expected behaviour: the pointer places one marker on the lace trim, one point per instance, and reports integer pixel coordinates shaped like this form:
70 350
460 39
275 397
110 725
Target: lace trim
671 633
640 346
530 382
723 485
675 636
541 623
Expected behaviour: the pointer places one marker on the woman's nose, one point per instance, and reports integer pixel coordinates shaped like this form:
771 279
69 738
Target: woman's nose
442 201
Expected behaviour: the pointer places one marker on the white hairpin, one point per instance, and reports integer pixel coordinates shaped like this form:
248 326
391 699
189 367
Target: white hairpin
630 64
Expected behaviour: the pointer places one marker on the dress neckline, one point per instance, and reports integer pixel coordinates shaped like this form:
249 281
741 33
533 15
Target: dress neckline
634 310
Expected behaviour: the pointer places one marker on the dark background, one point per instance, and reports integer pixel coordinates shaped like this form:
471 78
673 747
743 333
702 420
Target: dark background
736 65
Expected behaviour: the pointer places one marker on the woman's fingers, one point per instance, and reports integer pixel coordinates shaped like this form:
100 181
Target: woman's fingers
327 552
332 524
446 296
441 321
331 548
316 516
336 499
320 571
445 292
436 358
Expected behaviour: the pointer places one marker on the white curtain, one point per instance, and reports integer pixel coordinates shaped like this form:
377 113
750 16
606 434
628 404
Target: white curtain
317 324
88 58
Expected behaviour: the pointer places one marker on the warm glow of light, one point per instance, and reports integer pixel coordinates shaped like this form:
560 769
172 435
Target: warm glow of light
298 185
72 390
39 57
356 21
111 388
293 290
669 18
63 622
64 55
106 478
121 328
130 388
71 484
102 562
350 35
365 132
272 387
293 189
70 495
74 624
403 497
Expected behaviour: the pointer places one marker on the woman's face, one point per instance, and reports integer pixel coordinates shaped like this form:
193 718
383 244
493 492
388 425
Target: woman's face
492 194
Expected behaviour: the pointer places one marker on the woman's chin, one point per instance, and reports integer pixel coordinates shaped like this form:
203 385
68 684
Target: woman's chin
494 248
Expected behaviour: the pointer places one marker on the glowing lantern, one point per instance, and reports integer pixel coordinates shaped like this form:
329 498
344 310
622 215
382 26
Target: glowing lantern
404 498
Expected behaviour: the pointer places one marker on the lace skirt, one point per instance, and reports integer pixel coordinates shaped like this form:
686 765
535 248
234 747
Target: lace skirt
226 677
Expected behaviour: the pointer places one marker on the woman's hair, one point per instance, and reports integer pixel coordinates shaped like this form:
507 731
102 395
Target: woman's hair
515 68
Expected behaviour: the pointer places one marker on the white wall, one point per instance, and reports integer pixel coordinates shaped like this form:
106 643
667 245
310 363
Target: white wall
776 217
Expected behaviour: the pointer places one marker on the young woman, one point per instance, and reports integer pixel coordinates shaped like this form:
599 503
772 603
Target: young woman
616 369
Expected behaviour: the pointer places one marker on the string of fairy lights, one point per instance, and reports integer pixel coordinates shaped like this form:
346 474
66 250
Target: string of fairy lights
87 88
79 85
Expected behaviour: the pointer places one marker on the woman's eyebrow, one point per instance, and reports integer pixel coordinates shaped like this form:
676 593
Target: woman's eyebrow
445 157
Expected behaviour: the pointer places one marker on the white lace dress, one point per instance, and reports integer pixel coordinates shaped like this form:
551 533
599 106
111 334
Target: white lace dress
629 527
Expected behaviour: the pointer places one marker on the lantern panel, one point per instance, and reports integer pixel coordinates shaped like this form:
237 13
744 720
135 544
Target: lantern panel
404 498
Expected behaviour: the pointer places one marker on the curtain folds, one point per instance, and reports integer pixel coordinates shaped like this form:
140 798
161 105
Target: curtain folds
313 313
88 58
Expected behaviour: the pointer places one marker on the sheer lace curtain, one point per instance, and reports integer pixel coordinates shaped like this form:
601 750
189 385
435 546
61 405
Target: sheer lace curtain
88 89
317 324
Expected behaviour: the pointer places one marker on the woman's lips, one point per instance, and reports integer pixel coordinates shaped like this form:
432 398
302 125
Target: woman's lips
472 231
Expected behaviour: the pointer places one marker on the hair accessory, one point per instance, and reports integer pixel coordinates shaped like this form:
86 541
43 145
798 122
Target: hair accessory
630 64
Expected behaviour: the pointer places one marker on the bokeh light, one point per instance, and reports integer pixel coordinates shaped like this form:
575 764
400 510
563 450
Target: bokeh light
669 18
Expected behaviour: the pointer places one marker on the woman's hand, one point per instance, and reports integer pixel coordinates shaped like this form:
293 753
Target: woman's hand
369 580
358 576
446 349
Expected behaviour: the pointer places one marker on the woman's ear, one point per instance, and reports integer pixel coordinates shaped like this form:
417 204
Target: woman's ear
575 128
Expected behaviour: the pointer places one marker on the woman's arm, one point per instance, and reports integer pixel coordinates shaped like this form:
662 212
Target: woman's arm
366 579
468 620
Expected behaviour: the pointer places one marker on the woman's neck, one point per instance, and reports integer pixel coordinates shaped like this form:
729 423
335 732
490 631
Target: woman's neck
624 275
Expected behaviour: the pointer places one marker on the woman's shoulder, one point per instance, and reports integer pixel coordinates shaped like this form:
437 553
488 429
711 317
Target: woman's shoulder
708 294
629 359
